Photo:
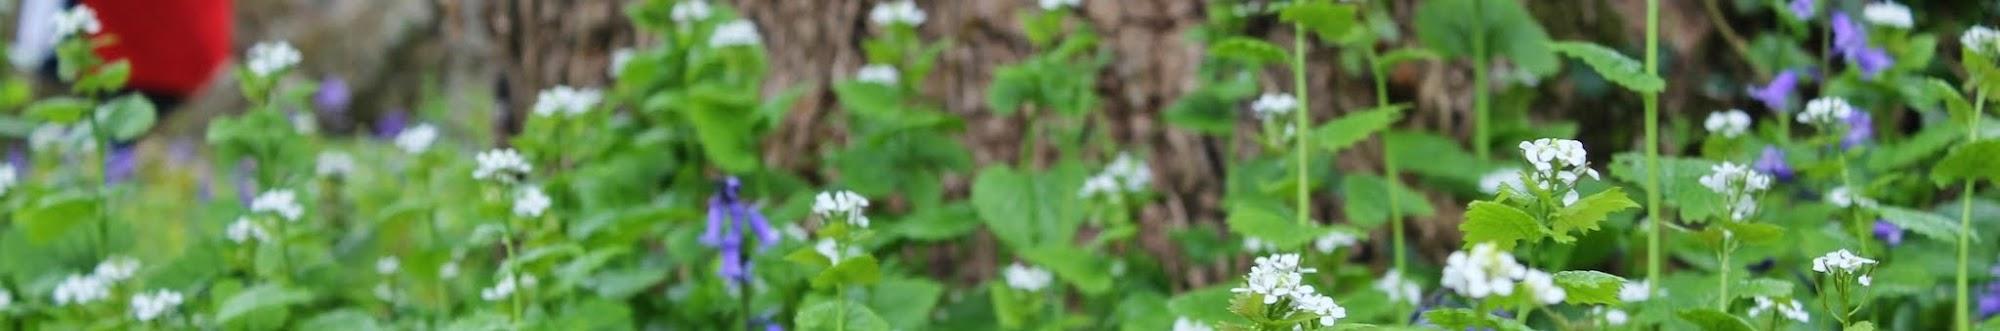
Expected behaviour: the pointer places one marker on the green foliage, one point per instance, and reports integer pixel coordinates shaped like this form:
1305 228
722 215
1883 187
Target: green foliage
1584 215
1270 223
1973 161
836 315
1026 209
1248 50
1343 132
1460 319
1500 224
1713 320
1612 65
1454 28
1590 287
1331 22
1368 201
1930 225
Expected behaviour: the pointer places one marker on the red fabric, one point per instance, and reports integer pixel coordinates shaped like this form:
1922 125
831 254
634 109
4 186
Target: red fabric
174 45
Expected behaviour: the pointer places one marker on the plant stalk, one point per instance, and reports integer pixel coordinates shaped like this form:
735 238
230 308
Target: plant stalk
1652 100
1299 120
1962 310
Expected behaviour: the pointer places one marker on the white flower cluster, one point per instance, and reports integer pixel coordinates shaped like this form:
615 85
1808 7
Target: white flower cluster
503 165
1558 164
878 73
1728 124
7 178
1791 310
149 306
619 58
283 203
1027 278
85 289
1334 240
506 287
71 139
78 20
1981 40
1738 186
1636 291
1279 276
1272 106
268 58
735 33
1840 261
388 265
1126 174
334 164
904 12
1187 324
1483 271
1888 14
1826 111
1322 306
416 140
566 101
1258 245
1059 4
1543 287
6 299
244 231
689 11
831 250
1503 178
1845 197
843 205
1400 289
531 202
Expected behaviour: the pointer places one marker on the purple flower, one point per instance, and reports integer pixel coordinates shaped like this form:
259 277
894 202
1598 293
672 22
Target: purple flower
728 215
246 183
1850 39
1777 95
18 156
1989 304
1772 162
391 123
1802 9
1889 233
1860 127
120 164
333 96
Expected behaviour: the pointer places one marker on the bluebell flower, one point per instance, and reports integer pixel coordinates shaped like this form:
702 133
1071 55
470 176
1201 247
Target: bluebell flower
18 156
1777 95
1772 162
728 215
120 164
1889 233
1989 302
391 123
1850 40
333 96
1860 128
1802 9
246 184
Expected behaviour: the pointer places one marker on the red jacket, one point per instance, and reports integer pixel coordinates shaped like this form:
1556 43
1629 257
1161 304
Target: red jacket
174 45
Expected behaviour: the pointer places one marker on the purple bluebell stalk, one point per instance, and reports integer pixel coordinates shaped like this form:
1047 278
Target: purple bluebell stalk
1989 302
246 181
120 164
332 97
391 123
1802 9
18 156
1889 233
1772 162
1777 95
1860 128
1850 39
728 216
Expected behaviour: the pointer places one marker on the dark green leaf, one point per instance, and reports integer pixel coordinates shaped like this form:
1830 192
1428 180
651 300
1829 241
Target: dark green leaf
1340 133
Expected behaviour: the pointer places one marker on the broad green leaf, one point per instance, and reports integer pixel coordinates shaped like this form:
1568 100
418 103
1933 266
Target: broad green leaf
52 216
1585 215
859 270
723 127
342 320
1024 210
1972 161
870 99
1266 222
59 110
1212 108
1504 27
1764 287
1201 304
1715 320
127 117
1466 319
1680 181
1367 201
1400 55
905 303
1861 326
1925 223
839 315
259 298
1590 287
1435 156
1088 272
1248 50
1500 224
1343 132
1330 21
945 222
1612 65
1752 232
1013 87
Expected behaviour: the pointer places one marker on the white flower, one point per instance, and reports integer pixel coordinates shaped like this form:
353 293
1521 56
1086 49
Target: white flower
844 205
387 265
1334 240
878 73
1508 178
1059 4
417 139
531 202
1826 111
502 165
268 58
1097 185
1636 291
149 306
243 231
1981 40
384 292
283 203
1186 324
334 164
52 137
905 12
1399 289
1738 186
1483 271
81 289
1258 245
1543 287
1026 278
1125 174
1612 317
1323 306
506 287
1791 310
305 123
1273 105
1888 14
734 33
116 268
1558 164
688 11
7 178
619 58
1866 281
6 299
1728 124
78 20
1276 276
831 250
1845 197
565 100
448 270
1840 261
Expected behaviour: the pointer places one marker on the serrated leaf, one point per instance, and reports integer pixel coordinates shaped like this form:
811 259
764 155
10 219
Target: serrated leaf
1585 215
1248 50
1330 21
1612 65
1590 287
1264 222
1924 223
1972 161
1343 132
837 315
1715 320
1500 224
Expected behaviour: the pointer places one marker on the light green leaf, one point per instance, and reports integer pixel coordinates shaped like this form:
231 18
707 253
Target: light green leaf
1248 50
1861 326
1928 224
1584 216
257 299
1715 320
1764 287
53 216
1024 210
1972 161
905 303
59 110
1400 55
1266 222
1466 319
836 315
1201 304
859 270
1088 272
342 320
1590 287
1331 22
1612 65
127 117
1367 201
1500 224
1450 26
1343 132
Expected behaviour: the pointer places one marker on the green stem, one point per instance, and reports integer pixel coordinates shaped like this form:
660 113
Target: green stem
1722 277
840 292
514 312
1391 172
1652 100
1029 139
1299 120
1859 226
1962 309
1481 142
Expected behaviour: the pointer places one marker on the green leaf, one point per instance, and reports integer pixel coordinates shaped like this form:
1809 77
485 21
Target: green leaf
838 315
1343 132
1925 223
857 270
53 216
905 303
1466 319
342 320
1753 233
938 223
1972 161
1088 272
1450 26
59 110
1266 222
1764 287
1201 304
1212 108
1500 224
1367 201
1013 86
259 298
1435 156
1861 326
1715 320
1584 215
869 99
1248 50
127 117
1612 65
722 124
1331 22
1590 287
1400 55
1024 210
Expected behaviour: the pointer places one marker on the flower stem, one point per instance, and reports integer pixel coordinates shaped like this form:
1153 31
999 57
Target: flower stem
1722 277
1390 172
1299 120
1961 311
1652 100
